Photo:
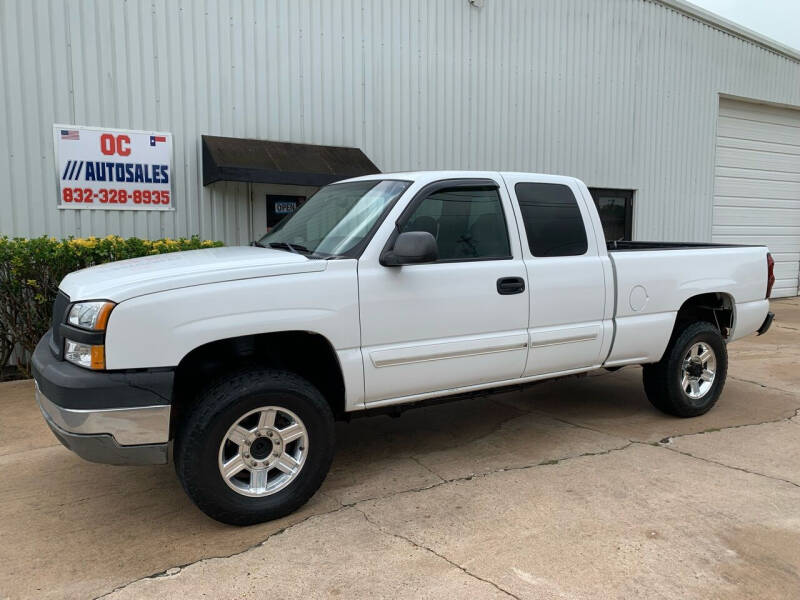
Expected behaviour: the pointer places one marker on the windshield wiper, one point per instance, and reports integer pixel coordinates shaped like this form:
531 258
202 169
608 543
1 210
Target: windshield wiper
257 243
296 248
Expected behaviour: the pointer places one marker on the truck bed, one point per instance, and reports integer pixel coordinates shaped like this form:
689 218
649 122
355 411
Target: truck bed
651 286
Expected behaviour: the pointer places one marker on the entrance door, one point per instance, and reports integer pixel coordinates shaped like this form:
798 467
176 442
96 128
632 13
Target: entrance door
441 326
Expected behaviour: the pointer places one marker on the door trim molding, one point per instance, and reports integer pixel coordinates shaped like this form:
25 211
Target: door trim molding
393 361
563 340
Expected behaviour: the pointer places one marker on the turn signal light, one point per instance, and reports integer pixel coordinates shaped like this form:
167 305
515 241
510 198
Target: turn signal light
85 355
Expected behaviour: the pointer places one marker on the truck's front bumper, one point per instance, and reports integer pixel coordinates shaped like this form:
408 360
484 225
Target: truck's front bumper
114 418
98 435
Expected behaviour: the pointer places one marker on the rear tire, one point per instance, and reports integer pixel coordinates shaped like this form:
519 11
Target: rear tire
689 378
256 446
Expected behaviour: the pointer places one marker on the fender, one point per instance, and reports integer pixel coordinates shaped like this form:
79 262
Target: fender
158 330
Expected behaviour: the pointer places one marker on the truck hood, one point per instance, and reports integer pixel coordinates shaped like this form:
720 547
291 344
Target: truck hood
119 281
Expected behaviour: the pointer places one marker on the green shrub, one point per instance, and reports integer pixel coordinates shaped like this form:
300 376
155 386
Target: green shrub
31 269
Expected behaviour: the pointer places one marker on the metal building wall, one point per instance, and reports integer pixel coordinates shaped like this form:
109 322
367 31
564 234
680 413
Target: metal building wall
622 93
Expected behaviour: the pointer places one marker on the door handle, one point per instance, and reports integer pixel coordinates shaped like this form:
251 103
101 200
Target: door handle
510 285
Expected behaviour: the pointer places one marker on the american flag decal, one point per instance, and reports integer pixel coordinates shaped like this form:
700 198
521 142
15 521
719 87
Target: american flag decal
70 134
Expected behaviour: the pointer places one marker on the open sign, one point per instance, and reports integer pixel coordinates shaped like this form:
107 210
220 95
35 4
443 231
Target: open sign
285 208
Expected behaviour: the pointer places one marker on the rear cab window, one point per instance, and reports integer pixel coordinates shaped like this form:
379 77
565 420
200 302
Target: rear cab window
552 219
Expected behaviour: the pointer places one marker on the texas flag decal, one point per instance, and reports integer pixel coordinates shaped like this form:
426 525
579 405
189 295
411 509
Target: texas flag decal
155 139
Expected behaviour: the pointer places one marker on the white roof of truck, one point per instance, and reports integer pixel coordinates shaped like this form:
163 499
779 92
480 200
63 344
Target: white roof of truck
426 176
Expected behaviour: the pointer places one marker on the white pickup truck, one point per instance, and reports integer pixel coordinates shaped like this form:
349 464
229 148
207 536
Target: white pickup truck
379 291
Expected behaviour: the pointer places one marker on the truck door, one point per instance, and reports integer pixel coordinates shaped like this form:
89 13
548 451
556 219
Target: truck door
457 322
565 272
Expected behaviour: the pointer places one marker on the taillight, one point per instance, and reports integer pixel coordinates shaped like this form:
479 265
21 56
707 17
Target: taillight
770 274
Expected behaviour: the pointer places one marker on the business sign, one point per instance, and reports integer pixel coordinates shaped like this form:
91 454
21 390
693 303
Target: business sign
113 169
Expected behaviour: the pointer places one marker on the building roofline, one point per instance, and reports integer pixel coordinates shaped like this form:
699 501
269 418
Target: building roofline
723 24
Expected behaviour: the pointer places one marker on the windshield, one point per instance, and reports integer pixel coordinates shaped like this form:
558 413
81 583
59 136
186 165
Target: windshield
336 218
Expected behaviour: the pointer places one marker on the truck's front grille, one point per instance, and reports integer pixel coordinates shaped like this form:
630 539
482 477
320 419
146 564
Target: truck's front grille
59 316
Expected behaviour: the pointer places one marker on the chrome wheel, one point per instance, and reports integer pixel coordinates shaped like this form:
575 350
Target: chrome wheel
698 370
263 451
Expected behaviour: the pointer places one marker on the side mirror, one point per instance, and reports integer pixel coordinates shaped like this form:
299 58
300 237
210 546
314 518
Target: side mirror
411 248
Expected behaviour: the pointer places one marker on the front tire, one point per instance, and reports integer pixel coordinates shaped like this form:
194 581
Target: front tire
256 447
689 378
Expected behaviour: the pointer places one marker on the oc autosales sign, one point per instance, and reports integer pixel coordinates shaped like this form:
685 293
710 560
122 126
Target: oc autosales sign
113 169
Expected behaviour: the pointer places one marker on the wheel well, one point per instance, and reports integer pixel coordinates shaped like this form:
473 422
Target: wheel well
715 307
307 354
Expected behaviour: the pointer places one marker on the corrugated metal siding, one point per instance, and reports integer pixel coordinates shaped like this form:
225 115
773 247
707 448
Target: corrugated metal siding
622 93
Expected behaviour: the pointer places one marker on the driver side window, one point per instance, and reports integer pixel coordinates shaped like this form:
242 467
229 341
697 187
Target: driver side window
467 223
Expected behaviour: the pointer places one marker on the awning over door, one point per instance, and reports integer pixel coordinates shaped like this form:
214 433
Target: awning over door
264 161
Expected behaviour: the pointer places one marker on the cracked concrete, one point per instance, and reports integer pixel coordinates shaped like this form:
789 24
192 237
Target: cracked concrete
744 448
293 571
653 525
444 558
570 489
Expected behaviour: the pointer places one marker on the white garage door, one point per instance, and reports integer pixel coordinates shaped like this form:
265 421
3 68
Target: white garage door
757 184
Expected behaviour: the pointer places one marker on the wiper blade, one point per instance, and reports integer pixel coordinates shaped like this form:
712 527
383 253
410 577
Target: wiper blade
257 243
296 248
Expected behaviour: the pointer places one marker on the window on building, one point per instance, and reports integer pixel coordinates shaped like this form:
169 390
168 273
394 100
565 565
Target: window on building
467 223
553 221
616 212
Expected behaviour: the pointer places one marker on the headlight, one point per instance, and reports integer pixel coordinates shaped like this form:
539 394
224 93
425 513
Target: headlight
90 315
93 317
85 355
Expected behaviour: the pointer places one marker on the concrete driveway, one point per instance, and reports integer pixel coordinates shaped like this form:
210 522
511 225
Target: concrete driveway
570 489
